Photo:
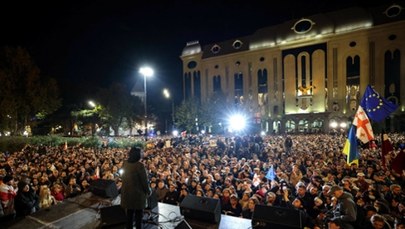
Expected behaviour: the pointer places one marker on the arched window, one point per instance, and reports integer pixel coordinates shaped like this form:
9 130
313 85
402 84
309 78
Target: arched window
353 70
197 85
262 81
216 81
187 82
238 78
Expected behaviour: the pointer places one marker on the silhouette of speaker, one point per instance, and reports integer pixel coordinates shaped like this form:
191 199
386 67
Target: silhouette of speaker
270 217
201 208
112 217
104 188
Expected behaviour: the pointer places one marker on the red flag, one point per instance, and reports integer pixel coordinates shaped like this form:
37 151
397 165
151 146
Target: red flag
386 148
398 163
364 130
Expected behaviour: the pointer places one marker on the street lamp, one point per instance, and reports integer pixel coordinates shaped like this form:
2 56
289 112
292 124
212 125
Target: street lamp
91 104
166 93
146 72
94 110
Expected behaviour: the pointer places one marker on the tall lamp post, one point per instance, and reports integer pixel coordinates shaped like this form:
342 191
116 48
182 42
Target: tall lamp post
146 72
166 93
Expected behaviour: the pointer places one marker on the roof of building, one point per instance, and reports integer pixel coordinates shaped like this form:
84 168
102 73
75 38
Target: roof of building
330 23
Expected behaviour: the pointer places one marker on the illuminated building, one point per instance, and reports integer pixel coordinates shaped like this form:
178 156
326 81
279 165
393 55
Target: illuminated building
304 74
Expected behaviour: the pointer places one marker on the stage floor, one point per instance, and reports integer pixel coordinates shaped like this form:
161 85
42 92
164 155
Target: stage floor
84 212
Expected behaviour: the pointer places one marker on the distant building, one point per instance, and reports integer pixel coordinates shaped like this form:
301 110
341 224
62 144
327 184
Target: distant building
309 74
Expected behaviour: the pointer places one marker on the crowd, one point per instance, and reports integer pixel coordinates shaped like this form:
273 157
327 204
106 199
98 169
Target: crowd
310 175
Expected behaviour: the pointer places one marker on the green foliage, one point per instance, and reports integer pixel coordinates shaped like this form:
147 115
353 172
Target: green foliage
91 142
186 115
118 106
128 143
16 143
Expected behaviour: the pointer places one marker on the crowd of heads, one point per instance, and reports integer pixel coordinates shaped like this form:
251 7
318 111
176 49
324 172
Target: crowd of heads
309 173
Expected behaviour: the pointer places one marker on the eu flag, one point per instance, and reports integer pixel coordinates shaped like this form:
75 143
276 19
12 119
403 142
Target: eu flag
270 174
350 148
376 107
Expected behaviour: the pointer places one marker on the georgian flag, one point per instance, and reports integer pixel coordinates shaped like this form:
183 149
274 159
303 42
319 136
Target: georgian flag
364 130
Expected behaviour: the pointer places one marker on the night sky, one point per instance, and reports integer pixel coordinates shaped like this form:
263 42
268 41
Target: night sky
89 44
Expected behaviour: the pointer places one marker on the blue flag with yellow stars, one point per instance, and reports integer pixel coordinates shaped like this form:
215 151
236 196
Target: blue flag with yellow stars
376 107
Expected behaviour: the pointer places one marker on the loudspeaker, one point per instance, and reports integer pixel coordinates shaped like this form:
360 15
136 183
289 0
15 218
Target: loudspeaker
104 188
276 217
112 216
201 208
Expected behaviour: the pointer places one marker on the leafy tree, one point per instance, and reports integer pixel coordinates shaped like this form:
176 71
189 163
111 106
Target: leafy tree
119 107
186 114
25 96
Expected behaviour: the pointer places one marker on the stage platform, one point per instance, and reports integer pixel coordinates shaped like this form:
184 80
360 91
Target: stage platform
85 212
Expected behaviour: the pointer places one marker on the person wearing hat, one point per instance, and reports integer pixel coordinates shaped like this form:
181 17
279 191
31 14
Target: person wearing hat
345 211
234 208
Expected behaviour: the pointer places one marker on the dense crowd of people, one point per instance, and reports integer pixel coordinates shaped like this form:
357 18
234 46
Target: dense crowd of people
310 174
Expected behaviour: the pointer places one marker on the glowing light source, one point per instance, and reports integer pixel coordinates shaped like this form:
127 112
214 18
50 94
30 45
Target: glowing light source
175 133
237 122
333 124
343 125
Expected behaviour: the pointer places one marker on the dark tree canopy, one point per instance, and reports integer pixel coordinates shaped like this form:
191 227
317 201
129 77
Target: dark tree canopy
26 97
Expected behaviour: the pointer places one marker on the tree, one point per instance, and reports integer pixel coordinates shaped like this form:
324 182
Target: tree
119 107
186 114
25 97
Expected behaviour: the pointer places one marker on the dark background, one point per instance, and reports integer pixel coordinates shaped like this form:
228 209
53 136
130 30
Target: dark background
90 44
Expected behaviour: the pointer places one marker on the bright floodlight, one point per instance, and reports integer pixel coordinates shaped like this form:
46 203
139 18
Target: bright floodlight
343 125
146 71
333 124
237 122
175 133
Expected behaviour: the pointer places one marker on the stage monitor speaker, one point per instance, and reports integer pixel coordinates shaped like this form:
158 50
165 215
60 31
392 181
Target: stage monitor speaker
276 217
104 188
201 208
113 216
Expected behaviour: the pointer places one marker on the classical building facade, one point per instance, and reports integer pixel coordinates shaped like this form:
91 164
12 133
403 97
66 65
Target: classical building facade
309 74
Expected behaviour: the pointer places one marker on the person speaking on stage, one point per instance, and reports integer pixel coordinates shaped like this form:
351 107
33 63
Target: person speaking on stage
135 188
